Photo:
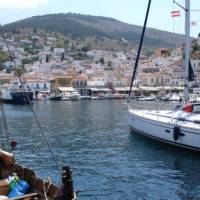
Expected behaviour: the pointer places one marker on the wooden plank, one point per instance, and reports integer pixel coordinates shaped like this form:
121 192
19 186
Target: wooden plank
26 196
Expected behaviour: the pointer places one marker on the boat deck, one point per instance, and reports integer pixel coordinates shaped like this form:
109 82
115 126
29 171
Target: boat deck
187 120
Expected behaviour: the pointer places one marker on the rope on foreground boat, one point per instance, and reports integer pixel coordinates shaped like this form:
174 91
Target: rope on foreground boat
139 50
5 124
31 106
3 146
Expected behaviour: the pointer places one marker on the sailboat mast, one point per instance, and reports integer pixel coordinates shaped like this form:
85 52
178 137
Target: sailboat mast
187 49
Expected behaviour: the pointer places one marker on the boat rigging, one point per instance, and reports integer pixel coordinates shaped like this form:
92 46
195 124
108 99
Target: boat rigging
180 126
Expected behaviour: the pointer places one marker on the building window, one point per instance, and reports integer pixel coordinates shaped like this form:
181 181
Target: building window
157 80
166 80
45 86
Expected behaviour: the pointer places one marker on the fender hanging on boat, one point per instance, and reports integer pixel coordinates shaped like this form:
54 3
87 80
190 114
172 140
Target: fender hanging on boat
177 132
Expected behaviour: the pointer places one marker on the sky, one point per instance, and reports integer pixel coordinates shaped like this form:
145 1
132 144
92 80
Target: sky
129 11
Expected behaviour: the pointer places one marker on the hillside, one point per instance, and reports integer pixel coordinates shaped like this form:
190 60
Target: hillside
86 26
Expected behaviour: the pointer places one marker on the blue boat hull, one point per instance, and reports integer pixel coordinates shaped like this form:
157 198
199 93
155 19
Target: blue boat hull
19 98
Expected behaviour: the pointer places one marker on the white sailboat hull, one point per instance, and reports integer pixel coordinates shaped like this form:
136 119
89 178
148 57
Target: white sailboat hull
161 126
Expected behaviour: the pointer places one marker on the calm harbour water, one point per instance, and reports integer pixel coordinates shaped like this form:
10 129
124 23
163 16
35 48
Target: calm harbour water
108 162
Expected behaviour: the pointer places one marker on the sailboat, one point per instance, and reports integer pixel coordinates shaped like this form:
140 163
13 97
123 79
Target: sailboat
179 127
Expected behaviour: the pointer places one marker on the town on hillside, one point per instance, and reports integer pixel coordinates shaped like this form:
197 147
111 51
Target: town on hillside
53 65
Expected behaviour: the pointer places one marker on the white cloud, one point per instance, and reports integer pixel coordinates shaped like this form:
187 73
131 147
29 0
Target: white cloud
21 3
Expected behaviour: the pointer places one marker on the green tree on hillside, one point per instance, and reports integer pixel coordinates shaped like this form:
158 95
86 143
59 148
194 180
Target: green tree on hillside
19 71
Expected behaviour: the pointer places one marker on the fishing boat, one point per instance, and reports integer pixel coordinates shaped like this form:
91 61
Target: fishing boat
15 94
180 126
37 188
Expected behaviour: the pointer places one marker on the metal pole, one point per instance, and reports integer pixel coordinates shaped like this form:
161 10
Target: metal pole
187 48
67 184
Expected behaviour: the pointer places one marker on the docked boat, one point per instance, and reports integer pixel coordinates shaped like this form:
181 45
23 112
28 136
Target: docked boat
75 96
180 126
174 97
164 98
85 97
150 98
68 93
15 94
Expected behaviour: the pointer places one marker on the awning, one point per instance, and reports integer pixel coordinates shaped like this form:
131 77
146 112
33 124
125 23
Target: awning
133 88
100 89
170 88
44 91
67 89
145 88
121 89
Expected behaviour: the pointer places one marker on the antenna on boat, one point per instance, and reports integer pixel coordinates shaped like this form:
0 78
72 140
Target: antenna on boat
139 50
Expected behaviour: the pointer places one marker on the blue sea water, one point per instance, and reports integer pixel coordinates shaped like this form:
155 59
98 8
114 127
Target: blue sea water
108 162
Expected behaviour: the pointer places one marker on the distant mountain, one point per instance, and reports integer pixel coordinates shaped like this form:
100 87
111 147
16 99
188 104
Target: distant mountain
84 26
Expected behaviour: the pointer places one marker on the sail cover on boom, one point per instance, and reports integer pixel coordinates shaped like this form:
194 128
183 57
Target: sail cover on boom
191 73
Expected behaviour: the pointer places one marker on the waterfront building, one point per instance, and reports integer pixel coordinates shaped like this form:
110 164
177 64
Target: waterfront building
36 84
60 81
